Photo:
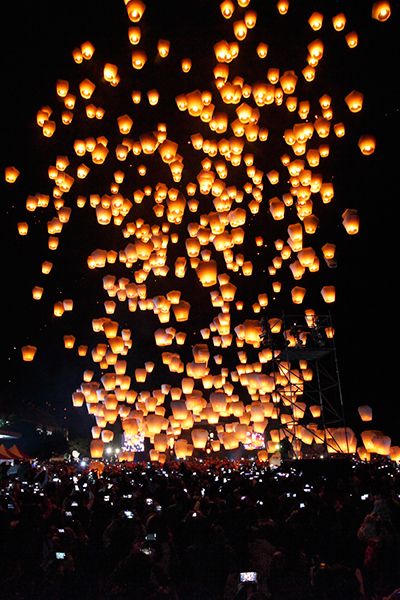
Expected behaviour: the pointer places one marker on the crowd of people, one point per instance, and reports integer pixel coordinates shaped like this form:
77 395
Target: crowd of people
211 529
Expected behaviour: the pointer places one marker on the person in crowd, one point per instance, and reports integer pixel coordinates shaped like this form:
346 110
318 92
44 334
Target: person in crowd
192 529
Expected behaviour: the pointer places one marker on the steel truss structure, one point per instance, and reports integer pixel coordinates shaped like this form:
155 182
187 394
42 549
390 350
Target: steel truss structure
304 365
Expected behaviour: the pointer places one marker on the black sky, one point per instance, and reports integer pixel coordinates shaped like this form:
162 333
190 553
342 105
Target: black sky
37 51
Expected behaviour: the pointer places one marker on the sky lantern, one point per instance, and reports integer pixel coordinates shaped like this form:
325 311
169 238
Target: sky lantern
395 453
381 444
351 39
186 64
199 438
298 294
250 18
192 210
11 174
69 341
262 50
310 223
328 293
28 353
134 34
124 124
365 412
240 30
288 82
62 87
381 10
329 250
342 439
23 228
87 50
86 88
135 10
96 448
138 59
77 56
339 21
207 273
99 154
351 221
282 6
153 97
339 129
37 292
367 144
163 47
354 101
227 8
181 448
49 128
316 20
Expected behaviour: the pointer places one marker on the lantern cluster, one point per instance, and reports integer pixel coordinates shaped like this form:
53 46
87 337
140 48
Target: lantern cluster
196 211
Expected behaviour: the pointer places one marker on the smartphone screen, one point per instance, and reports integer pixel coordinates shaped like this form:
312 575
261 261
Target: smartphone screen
248 576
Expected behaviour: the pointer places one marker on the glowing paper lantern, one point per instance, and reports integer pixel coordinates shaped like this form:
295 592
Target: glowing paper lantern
328 293
351 221
354 101
365 412
11 174
381 10
298 294
28 353
96 448
199 438
367 144
135 10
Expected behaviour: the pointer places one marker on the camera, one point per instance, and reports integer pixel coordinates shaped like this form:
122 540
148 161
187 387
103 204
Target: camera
248 577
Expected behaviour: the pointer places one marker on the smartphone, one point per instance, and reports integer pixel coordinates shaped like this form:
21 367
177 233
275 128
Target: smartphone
60 555
302 505
128 514
248 576
61 531
68 513
149 501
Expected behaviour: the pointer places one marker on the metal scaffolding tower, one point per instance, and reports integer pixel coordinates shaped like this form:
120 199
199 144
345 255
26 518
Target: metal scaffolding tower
304 365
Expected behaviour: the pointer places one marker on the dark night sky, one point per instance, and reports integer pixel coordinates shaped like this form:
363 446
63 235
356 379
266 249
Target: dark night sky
37 51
